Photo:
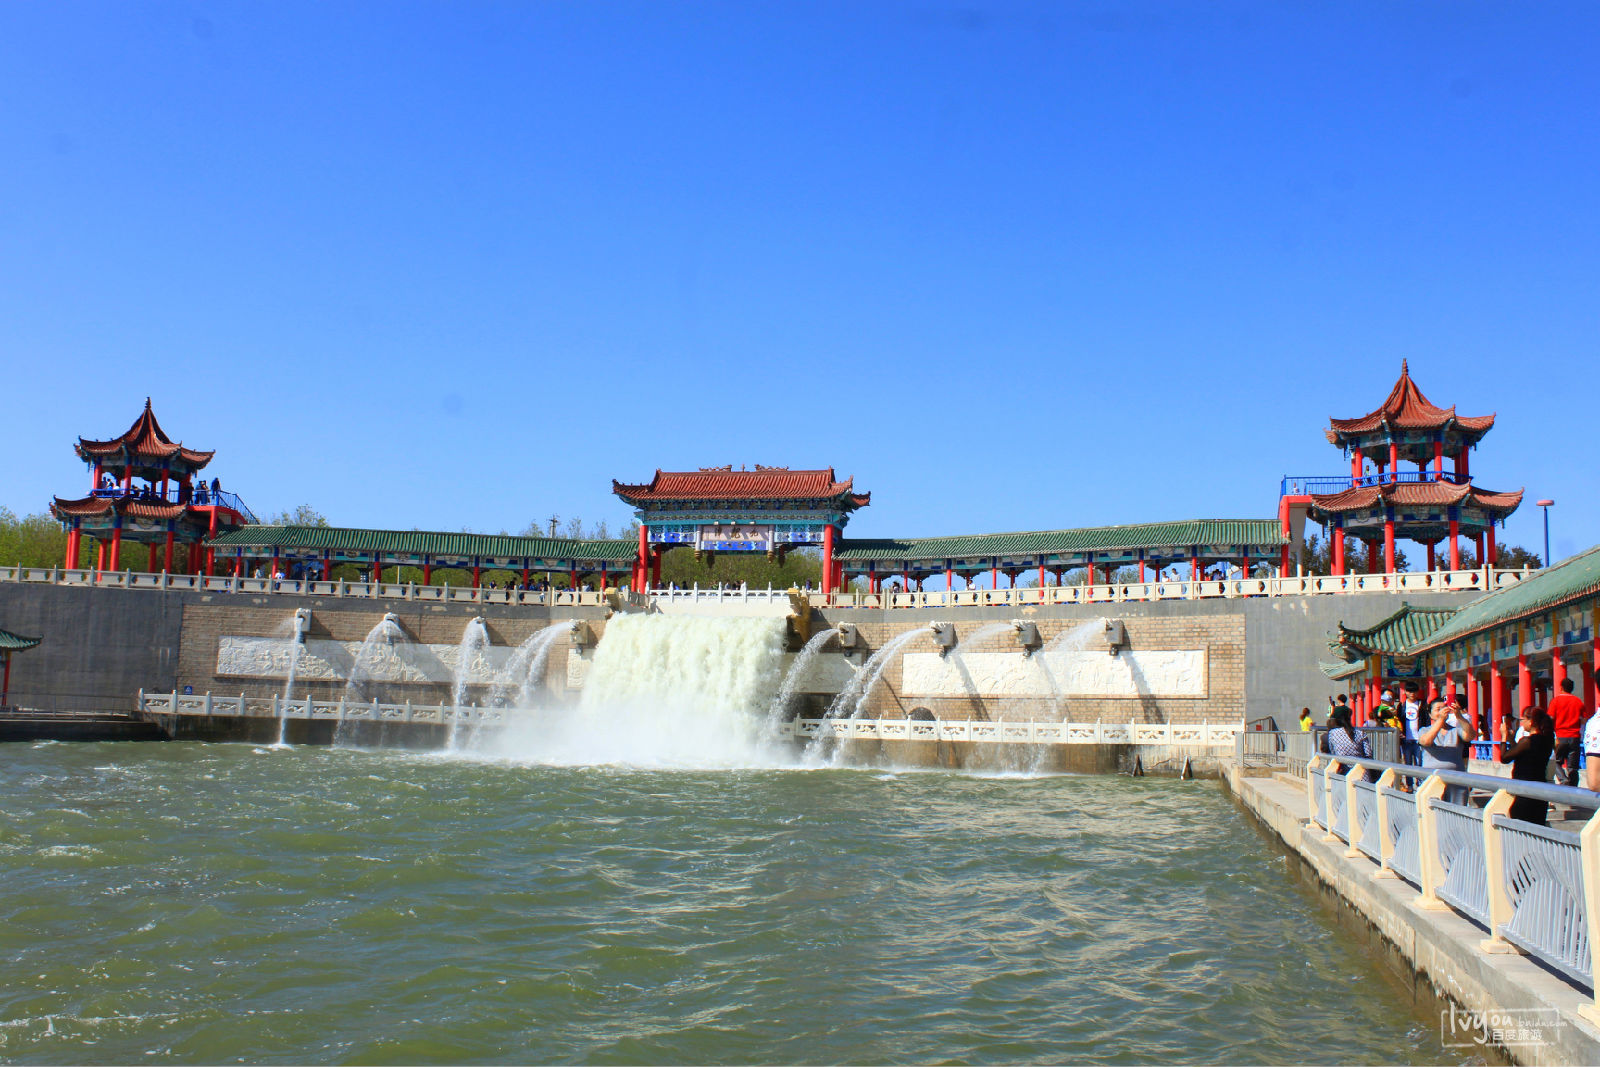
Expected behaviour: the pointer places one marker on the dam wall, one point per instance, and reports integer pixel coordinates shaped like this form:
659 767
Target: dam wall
101 646
1243 658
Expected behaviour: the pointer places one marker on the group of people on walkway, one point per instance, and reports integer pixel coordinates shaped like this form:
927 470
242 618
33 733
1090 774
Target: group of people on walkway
1438 735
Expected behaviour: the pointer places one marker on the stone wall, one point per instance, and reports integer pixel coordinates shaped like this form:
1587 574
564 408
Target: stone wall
101 646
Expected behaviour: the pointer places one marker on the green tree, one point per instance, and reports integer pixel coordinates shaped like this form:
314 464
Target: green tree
303 515
36 540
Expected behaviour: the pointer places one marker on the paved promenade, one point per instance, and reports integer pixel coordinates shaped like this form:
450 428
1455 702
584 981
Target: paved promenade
1441 946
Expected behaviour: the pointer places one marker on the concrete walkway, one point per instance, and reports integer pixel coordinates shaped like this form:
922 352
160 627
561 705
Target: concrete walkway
1441 946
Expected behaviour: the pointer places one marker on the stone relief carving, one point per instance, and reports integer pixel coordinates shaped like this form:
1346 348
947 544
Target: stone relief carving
1074 673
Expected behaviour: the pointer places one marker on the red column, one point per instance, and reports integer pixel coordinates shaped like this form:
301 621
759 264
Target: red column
1283 562
1497 702
642 571
1472 699
1388 545
636 584
1450 688
1432 556
1372 556
1355 467
655 568
1524 682
1438 460
827 558
116 545
100 556
477 574
1394 461
1455 542
273 572
1041 572
1194 568
211 549
151 565
1338 550
1491 556
1433 687
994 573
572 578
171 537
1461 464
1558 671
427 572
197 555
98 471
74 547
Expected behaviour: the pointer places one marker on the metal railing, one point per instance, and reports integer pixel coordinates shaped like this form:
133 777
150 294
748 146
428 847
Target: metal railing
1027 733
1308 484
1482 580
1293 749
1529 886
201 496
1035 733
459 594
1024 596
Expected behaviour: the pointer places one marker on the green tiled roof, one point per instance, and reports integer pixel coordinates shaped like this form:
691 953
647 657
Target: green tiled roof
1177 536
1572 579
10 642
1395 634
1338 671
423 543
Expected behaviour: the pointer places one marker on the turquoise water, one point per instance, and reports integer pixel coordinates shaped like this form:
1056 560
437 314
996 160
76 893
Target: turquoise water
189 903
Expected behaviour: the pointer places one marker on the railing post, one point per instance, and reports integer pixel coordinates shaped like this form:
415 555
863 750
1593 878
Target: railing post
1428 842
1327 787
1352 831
1390 780
1589 862
1494 859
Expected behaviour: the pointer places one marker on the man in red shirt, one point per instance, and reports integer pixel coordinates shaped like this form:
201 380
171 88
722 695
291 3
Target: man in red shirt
1567 711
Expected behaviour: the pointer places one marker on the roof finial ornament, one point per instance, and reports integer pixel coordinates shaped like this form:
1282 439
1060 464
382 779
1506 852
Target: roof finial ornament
1403 368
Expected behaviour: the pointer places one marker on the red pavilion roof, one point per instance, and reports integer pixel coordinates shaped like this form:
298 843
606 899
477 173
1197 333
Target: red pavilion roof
1403 494
144 440
131 506
725 483
1406 408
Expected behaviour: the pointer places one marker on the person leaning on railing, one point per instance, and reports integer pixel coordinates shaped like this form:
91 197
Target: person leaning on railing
1530 762
1443 743
1344 740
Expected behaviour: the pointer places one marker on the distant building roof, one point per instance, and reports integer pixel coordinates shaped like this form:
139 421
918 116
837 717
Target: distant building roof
315 539
1405 408
143 442
724 483
1108 540
1393 635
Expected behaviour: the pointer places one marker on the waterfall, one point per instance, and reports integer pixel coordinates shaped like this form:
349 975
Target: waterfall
469 653
669 691
295 626
523 681
796 673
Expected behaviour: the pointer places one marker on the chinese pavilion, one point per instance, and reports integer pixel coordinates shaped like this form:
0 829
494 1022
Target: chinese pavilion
169 508
1380 503
719 509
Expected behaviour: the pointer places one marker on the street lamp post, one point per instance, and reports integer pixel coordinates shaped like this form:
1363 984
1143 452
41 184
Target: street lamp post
1546 505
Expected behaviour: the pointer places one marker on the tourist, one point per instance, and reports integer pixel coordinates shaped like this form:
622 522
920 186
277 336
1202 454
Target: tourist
1530 762
1443 744
1305 720
1345 741
1411 721
1566 712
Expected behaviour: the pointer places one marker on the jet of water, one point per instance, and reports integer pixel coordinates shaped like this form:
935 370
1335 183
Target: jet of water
474 639
796 673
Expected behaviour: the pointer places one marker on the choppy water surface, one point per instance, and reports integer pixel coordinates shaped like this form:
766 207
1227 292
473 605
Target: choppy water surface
222 903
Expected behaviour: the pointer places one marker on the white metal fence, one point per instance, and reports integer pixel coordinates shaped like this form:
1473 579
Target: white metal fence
1485 579
462 594
1533 888
1022 733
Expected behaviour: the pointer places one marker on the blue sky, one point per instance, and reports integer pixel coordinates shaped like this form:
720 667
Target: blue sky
1011 266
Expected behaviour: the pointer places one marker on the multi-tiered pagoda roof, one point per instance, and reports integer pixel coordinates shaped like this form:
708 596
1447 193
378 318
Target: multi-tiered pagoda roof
1408 418
145 448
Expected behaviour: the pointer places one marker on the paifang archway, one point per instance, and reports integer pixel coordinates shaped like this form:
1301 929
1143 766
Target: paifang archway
719 509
